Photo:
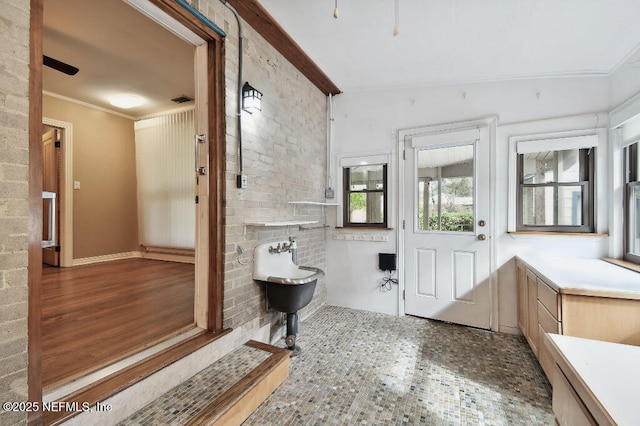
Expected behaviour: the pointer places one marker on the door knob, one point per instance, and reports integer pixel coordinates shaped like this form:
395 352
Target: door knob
481 223
482 237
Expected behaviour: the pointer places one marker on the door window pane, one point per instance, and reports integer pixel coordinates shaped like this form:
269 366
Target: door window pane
446 189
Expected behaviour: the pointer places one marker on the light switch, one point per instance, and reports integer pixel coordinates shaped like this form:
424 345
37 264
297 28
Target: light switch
76 184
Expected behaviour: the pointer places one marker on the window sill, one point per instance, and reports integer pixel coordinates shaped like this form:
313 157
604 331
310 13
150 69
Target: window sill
623 264
364 228
569 234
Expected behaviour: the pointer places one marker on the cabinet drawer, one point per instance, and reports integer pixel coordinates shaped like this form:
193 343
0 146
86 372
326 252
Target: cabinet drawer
549 298
547 322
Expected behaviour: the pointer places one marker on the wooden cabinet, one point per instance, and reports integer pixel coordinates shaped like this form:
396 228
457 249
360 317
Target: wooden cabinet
568 299
532 307
523 309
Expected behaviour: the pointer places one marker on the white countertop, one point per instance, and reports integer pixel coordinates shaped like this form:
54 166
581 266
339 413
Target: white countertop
611 372
585 276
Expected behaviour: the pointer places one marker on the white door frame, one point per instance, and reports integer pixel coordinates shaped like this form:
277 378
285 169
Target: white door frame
487 122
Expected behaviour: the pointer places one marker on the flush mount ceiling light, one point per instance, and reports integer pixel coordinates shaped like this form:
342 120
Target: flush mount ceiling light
126 101
251 99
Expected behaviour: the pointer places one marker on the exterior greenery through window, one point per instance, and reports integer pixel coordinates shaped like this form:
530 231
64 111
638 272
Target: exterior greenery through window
555 191
446 189
632 203
365 196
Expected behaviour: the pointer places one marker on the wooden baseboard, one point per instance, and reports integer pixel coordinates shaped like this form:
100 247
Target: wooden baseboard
236 404
106 258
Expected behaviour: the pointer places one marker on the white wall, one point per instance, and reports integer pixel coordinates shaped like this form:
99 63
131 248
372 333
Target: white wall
368 121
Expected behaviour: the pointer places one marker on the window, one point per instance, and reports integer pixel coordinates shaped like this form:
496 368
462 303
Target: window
555 189
632 203
365 196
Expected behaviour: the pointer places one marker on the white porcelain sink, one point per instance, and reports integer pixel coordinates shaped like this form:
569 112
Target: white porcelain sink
278 267
288 287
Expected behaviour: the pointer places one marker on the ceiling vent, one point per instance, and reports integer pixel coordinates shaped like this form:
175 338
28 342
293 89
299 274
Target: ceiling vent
181 99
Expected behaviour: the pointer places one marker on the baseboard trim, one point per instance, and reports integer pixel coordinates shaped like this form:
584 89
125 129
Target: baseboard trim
106 258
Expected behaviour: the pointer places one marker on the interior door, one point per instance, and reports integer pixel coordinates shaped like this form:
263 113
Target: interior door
51 207
447 252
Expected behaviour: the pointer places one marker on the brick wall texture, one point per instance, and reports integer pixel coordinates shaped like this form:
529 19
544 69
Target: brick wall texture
284 157
14 108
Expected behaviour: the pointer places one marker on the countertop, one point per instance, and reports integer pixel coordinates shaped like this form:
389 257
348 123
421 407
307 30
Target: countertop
608 371
587 277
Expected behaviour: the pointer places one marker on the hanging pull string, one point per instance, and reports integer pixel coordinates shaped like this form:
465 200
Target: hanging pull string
336 12
396 28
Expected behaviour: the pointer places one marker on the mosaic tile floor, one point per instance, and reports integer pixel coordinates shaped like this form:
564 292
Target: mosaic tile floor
181 403
364 368
360 367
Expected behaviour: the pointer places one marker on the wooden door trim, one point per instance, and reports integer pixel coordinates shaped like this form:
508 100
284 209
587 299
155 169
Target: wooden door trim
216 227
34 270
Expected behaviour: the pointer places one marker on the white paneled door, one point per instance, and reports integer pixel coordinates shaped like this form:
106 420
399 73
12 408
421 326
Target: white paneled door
446 237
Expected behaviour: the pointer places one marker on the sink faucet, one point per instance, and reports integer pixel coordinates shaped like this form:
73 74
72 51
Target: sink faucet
281 248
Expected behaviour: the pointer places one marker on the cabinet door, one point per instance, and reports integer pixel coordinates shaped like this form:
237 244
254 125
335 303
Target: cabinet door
521 280
532 309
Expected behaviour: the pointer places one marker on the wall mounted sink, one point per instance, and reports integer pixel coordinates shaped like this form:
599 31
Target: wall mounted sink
289 287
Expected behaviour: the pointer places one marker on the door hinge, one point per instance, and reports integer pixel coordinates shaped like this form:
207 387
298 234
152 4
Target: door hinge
403 223
404 293
404 154
197 199
57 144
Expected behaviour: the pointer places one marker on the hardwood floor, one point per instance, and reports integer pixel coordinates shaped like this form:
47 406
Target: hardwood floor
94 315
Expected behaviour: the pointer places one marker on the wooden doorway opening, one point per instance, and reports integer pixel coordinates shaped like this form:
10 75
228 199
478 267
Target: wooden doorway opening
208 311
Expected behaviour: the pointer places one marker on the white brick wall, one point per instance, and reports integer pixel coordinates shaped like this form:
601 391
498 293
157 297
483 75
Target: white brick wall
14 108
284 157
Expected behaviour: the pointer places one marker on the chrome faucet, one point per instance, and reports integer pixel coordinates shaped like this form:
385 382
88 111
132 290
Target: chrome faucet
284 246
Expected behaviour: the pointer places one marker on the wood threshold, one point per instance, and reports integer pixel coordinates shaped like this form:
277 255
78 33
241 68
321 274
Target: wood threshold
257 16
239 401
131 375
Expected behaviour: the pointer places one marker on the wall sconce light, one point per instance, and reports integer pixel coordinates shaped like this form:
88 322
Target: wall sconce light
251 99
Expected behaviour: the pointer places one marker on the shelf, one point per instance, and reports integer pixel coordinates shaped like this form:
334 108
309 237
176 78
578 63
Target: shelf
278 223
282 223
313 203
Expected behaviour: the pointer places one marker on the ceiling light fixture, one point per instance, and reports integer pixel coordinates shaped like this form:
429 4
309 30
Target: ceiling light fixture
126 101
336 12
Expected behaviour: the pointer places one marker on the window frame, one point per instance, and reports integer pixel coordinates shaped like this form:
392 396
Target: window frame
346 191
631 180
587 182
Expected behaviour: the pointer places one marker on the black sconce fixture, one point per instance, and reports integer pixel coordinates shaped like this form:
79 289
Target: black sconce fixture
251 99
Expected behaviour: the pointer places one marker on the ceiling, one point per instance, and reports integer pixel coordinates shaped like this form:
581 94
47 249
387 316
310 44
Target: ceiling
118 50
443 42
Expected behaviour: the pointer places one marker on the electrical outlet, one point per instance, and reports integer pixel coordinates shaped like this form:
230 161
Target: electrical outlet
328 193
243 181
